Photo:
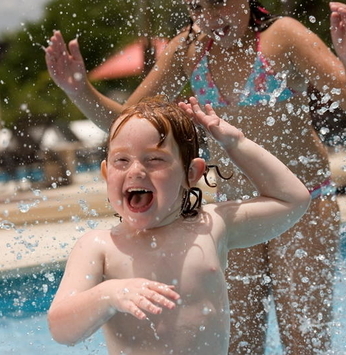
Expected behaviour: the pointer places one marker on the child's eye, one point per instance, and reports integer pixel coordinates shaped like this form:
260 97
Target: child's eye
120 162
155 159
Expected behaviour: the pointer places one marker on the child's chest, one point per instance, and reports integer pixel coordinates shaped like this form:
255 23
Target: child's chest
182 258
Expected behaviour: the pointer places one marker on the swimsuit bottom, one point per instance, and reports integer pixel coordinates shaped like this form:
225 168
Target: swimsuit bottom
326 188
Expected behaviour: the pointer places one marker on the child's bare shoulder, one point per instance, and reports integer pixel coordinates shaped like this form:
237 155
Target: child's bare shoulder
94 240
222 209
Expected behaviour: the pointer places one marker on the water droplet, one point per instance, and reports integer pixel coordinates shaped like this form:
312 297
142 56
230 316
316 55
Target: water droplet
36 192
24 207
78 76
152 326
270 121
333 106
202 328
336 91
300 253
7 225
92 224
206 311
267 279
153 244
324 130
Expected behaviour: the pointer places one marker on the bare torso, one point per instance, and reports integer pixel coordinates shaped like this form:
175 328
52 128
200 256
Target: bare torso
190 261
283 128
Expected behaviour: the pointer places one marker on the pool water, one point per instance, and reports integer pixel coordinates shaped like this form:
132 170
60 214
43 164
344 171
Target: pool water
24 301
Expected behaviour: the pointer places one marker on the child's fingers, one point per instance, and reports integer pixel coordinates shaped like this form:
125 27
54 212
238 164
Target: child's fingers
186 107
156 299
148 301
137 304
165 290
136 311
195 105
148 296
209 110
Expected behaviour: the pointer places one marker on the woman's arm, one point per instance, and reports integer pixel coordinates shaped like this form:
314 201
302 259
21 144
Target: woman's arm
338 28
282 199
66 67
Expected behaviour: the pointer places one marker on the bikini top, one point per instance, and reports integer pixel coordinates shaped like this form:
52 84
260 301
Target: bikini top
263 85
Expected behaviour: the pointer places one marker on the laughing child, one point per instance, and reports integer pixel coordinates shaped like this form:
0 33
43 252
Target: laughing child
155 282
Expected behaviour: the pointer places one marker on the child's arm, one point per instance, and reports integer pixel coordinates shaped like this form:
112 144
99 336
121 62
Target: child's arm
84 302
282 199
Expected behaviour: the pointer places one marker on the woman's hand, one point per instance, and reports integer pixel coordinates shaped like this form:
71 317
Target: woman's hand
338 28
65 64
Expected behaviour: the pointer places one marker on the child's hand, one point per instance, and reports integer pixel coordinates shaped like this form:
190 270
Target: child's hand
137 295
226 134
65 64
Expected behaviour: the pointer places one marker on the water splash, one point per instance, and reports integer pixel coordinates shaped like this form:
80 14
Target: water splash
152 326
7 225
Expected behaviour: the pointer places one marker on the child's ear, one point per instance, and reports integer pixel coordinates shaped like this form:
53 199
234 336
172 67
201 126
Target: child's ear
104 169
196 170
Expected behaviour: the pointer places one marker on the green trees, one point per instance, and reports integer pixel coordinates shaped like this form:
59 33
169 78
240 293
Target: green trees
27 94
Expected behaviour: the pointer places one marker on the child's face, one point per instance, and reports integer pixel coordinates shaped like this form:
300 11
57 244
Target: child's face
145 182
223 20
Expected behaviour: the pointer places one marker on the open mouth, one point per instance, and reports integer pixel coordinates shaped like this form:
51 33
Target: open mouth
139 200
221 32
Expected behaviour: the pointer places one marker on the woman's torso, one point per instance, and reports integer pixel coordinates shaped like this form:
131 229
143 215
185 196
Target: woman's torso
279 120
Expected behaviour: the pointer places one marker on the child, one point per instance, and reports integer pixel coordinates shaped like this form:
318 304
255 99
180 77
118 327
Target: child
155 282
256 70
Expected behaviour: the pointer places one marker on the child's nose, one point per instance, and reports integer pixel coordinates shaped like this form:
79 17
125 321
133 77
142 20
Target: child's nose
136 170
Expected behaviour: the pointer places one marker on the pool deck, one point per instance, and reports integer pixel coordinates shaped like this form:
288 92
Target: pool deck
38 228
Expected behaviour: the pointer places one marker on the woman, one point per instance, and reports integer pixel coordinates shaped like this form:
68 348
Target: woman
257 69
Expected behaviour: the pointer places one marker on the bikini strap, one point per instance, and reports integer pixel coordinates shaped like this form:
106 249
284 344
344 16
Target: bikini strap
209 45
258 42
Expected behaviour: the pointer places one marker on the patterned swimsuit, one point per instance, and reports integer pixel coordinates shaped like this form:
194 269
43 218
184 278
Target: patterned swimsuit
262 87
